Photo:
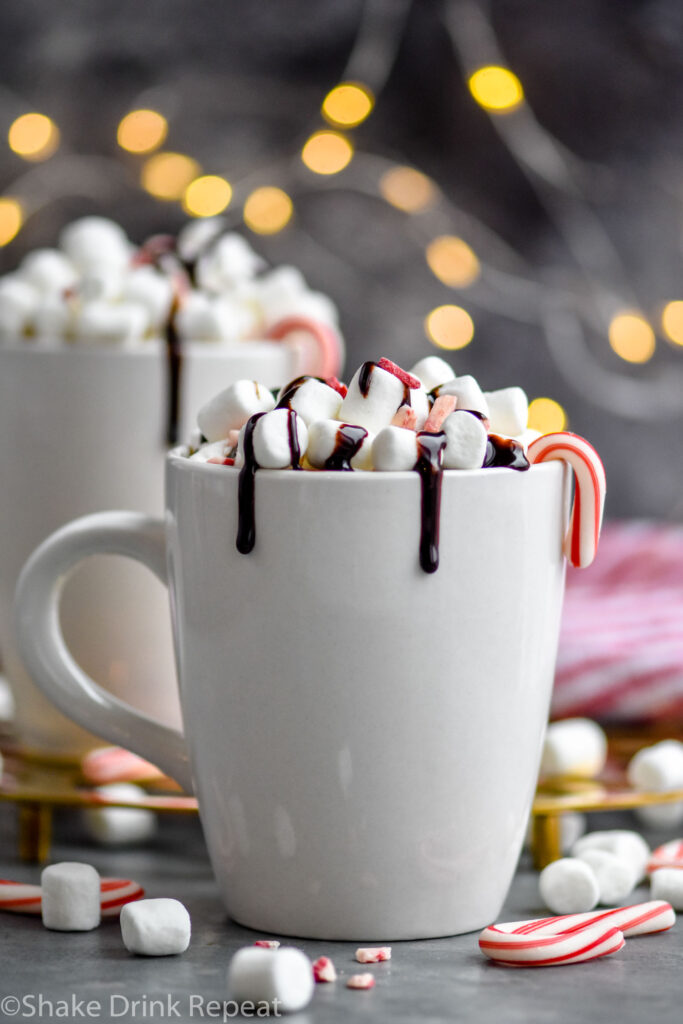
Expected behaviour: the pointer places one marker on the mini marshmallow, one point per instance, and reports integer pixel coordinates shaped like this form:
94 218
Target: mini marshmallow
568 886
283 978
667 884
313 400
660 815
432 371
120 826
466 439
146 287
272 445
323 442
197 235
419 403
95 241
70 897
199 319
230 409
468 393
48 270
615 877
657 768
283 292
508 410
53 317
376 409
18 300
101 322
160 927
217 451
624 844
576 746
395 450
528 436
228 260
238 318
101 283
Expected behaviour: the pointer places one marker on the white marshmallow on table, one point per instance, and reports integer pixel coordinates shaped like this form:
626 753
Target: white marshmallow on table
466 440
468 393
626 845
376 409
432 371
568 886
102 322
53 317
48 270
231 408
228 260
667 884
283 978
18 301
96 241
323 439
508 410
70 897
313 400
159 927
272 442
146 287
395 450
658 768
120 826
575 746
197 235
616 877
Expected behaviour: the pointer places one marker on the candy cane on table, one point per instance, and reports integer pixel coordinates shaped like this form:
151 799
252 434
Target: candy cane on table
20 898
670 855
326 338
114 764
581 542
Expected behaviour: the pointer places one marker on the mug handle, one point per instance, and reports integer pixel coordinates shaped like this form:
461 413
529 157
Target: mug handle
46 656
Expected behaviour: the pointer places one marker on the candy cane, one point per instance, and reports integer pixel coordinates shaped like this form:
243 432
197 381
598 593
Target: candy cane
114 764
638 919
326 338
581 542
670 855
20 898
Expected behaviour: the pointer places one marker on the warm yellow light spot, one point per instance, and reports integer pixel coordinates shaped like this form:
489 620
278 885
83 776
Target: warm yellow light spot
672 321
496 89
407 189
141 131
267 210
327 152
33 136
631 337
449 327
452 261
11 219
167 175
207 196
348 104
546 415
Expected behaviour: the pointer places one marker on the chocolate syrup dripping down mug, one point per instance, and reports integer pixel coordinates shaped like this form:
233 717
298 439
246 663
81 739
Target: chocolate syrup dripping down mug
363 737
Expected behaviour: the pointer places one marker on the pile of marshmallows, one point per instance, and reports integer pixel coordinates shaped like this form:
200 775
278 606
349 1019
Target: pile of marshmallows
97 287
439 401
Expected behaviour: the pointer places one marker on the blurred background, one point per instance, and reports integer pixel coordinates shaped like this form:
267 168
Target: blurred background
502 180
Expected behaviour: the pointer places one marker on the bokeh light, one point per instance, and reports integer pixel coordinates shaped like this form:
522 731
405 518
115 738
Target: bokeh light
407 189
631 337
496 89
166 175
141 131
672 321
327 152
267 210
11 219
207 196
453 261
449 327
348 104
33 136
546 415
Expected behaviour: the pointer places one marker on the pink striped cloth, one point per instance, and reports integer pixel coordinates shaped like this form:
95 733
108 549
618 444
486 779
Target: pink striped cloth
621 643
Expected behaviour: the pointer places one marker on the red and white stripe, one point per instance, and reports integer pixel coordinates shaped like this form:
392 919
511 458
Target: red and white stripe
326 338
20 898
114 764
581 542
670 855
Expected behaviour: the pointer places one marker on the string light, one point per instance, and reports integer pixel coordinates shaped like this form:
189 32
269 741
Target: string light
11 219
267 210
207 196
496 89
631 337
348 104
167 175
33 136
327 152
407 189
449 327
141 131
546 415
672 321
452 261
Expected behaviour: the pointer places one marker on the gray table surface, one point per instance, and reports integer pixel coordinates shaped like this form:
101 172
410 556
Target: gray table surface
440 980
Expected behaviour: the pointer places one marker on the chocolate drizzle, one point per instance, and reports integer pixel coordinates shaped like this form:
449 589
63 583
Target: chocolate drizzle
290 391
364 378
504 451
429 466
246 528
349 440
293 435
174 365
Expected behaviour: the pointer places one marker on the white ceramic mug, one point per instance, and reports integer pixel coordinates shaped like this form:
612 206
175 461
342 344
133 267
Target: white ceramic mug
364 738
82 428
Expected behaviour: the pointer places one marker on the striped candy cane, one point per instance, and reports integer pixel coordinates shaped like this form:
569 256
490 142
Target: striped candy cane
581 542
325 337
670 855
20 898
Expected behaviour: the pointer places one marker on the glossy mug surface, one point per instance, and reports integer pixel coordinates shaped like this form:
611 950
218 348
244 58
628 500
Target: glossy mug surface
363 738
